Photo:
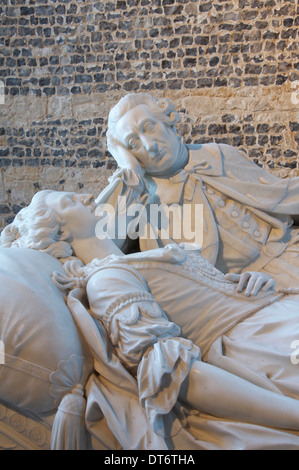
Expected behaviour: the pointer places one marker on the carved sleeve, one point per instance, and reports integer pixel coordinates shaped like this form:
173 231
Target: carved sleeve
147 343
120 298
126 183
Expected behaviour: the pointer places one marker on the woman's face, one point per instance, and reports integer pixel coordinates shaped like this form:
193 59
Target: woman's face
76 212
154 144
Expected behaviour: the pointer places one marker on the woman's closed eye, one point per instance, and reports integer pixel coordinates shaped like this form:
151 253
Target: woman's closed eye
67 201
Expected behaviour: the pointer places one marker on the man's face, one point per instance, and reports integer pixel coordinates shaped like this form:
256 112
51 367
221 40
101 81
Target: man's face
155 145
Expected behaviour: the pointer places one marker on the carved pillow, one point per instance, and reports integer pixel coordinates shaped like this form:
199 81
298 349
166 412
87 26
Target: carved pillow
42 353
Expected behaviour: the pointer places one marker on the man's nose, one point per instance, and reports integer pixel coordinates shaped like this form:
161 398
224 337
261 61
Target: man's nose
149 144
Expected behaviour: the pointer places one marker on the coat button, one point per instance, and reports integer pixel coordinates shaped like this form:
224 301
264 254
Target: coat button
274 249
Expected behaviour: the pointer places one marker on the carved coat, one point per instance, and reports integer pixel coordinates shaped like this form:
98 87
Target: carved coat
247 212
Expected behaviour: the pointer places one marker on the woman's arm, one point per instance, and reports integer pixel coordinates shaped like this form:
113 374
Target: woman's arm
219 393
207 388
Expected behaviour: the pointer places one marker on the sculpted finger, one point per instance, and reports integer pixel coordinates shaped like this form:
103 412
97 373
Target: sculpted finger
111 143
232 277
125 158
244 279
270 285
250 286
257 286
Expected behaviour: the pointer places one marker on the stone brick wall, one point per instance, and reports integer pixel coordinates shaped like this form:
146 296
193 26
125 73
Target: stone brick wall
230 66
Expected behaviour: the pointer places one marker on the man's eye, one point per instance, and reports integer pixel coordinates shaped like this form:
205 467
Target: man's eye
133 143
148 126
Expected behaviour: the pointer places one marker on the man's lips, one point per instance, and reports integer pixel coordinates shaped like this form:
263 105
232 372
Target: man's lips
160 155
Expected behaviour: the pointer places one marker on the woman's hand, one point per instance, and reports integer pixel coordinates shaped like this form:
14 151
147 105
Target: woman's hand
124 158
252 282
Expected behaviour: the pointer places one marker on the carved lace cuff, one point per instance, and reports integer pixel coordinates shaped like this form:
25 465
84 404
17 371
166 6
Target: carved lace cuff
161 372
115 312
131 178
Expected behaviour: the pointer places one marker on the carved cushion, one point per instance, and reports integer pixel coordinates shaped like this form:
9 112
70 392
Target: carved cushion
42 354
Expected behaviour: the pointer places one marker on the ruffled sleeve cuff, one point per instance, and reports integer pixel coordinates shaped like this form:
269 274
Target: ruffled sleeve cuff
130 178
160 375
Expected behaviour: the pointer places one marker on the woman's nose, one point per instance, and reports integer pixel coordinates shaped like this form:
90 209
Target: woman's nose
85 198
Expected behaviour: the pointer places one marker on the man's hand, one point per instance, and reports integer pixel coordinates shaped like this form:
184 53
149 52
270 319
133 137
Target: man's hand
124 158
252 282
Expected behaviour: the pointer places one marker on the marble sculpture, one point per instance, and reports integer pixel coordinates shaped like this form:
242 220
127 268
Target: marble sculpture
249 215
182 354
120 334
